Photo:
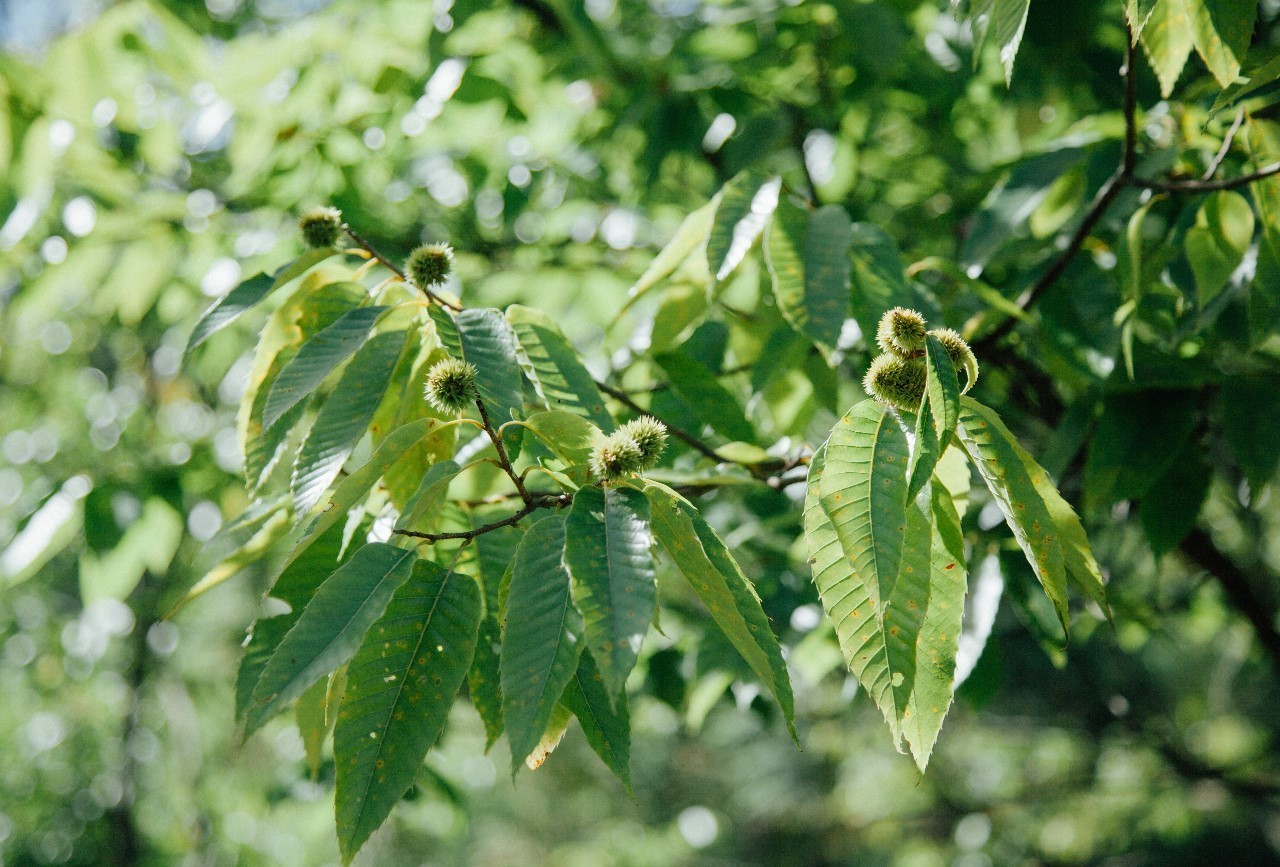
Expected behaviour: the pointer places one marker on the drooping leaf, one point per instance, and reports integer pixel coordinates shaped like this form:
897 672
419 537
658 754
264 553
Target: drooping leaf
316 359
315 721
315 306
1138 12
746 202
400 687
607 726
864 491
808 258
709 567
294 586
495 551
1012 476
1168 38
712 402
553 366
1221 30
343 419
540 647
691 235
1008 20
905 660
235 303
330 628
606 551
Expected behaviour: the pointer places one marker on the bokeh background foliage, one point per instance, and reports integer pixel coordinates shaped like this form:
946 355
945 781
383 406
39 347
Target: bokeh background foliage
157 153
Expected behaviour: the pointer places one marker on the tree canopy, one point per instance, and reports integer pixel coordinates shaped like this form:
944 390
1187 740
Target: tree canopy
639 432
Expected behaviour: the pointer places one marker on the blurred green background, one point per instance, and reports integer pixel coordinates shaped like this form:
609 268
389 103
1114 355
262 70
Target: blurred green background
154 152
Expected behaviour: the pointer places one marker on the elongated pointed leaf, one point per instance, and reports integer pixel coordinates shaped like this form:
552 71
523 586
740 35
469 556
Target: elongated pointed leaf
494 552
400 688
330 629
1008 21
936 420
425 506
553 366
355 486
808 258
1168 37
540 646
235 303
606 726
606 551
485 339
691 236
1221 30
305 313
864 490
317 358
1012 475
315 719
906 660
343 419
710 401
746 203
716 578
570 437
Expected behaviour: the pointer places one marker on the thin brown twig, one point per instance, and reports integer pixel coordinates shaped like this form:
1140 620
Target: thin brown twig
503 460
544 501
364 244
1216 162
1212 186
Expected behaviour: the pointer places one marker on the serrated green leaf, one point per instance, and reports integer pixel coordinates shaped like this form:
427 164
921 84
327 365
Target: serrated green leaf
716 578
1138 12
905 660
745 205
315 306
400 688
343 419
355 486
607 726
864 491
330 628
294 586
1221 30
316 359
936 421
483 337
314 722
606 551
423 509
1217 243
1016 481
239 300
570 437
707 398
808 258
879 278
553 366
691 236
1008 21
1168 39
540 647
495 551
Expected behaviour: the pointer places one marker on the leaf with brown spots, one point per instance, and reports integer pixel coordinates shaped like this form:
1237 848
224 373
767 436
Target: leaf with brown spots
400 688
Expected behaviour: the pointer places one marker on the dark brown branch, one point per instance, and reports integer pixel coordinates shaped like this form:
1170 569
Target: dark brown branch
1199 548
1199 186
543 501
363 243
503 460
